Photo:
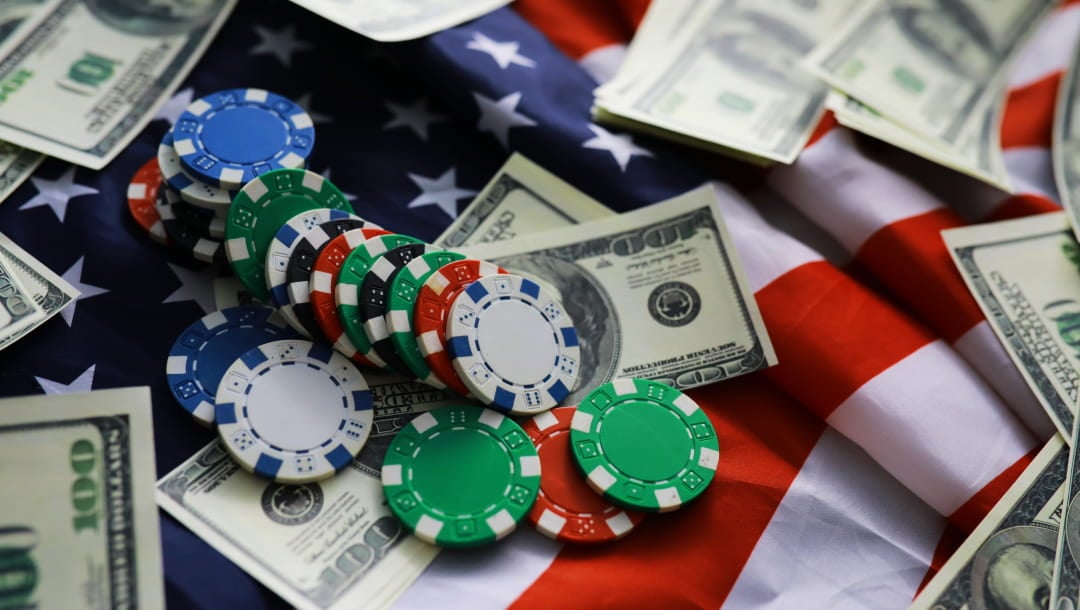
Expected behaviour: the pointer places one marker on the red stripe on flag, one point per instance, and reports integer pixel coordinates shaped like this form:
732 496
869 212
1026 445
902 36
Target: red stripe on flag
1029 114
672 560
832 335
910 257
1020 206
580 27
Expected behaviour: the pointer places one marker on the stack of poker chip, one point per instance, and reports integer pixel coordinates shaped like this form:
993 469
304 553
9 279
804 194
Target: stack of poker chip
182 196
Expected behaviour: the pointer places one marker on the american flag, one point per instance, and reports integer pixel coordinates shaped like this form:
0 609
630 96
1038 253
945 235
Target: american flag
848 473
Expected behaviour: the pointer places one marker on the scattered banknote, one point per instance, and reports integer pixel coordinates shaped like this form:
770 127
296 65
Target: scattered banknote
978 153
16 165
49 291
1065 592
395 20
927 65
1025 275
19 311
723 75
1008 561
103 68
657 293
79 527
333 544
1066 141
522 198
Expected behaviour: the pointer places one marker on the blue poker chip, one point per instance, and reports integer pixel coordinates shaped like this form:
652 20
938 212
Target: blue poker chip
190 190
513 344
230 137
206 348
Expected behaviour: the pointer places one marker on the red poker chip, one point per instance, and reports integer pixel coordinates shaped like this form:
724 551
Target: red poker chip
567 508
142 196
433 303
321 297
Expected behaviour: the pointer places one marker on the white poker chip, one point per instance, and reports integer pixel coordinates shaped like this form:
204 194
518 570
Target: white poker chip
293 411
513 344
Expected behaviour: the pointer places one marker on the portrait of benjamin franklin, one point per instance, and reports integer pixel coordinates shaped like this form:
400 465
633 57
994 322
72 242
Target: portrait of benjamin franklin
949 33
759 46
156 17
1013 570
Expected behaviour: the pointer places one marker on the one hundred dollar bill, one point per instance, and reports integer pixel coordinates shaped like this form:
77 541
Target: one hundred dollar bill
16 165
1025 276
657 293
103 67
395 20
19 311
49 291
78 525
333 544
978 153
522 198
728 79
928 65
1065 592
1008 561
1066 141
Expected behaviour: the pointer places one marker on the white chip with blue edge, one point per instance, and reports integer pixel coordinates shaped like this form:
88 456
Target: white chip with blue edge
513 344
294 411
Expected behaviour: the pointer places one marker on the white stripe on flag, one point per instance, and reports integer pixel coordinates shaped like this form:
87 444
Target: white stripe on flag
1049 48
603 62
846 535
1031 171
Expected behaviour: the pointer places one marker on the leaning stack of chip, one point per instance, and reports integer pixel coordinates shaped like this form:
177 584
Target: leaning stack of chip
182 196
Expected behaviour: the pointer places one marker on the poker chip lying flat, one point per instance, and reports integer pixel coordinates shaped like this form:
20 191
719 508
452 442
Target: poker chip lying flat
351 278
644 445
142 195
301 263
513 344
259 210
281 248
401 294
293 411
190 190
208 346
373 301
230 137
566 508
432 309
317 294
461 476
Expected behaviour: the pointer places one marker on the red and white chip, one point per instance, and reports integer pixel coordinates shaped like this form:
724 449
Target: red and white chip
567 508
433 304
142 197
324 273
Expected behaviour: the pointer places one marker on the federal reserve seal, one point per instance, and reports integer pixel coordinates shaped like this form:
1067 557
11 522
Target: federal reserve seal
292 504
674 304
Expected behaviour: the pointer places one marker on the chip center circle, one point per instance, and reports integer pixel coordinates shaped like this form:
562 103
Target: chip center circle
295 407
645 441
516 341
461 471
244 135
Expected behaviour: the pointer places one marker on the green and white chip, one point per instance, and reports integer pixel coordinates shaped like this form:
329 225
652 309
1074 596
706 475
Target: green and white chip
461 476
644 445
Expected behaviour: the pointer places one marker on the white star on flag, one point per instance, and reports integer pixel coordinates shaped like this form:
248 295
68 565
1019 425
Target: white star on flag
304 101
441 191
172 109
499 116
504 53
621 146
73 276
83 383
57 193
279 43
195 286
416 117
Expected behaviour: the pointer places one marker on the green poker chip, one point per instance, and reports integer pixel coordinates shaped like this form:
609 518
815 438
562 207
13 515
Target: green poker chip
261 208
644 445
401 303
351 278
461 476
